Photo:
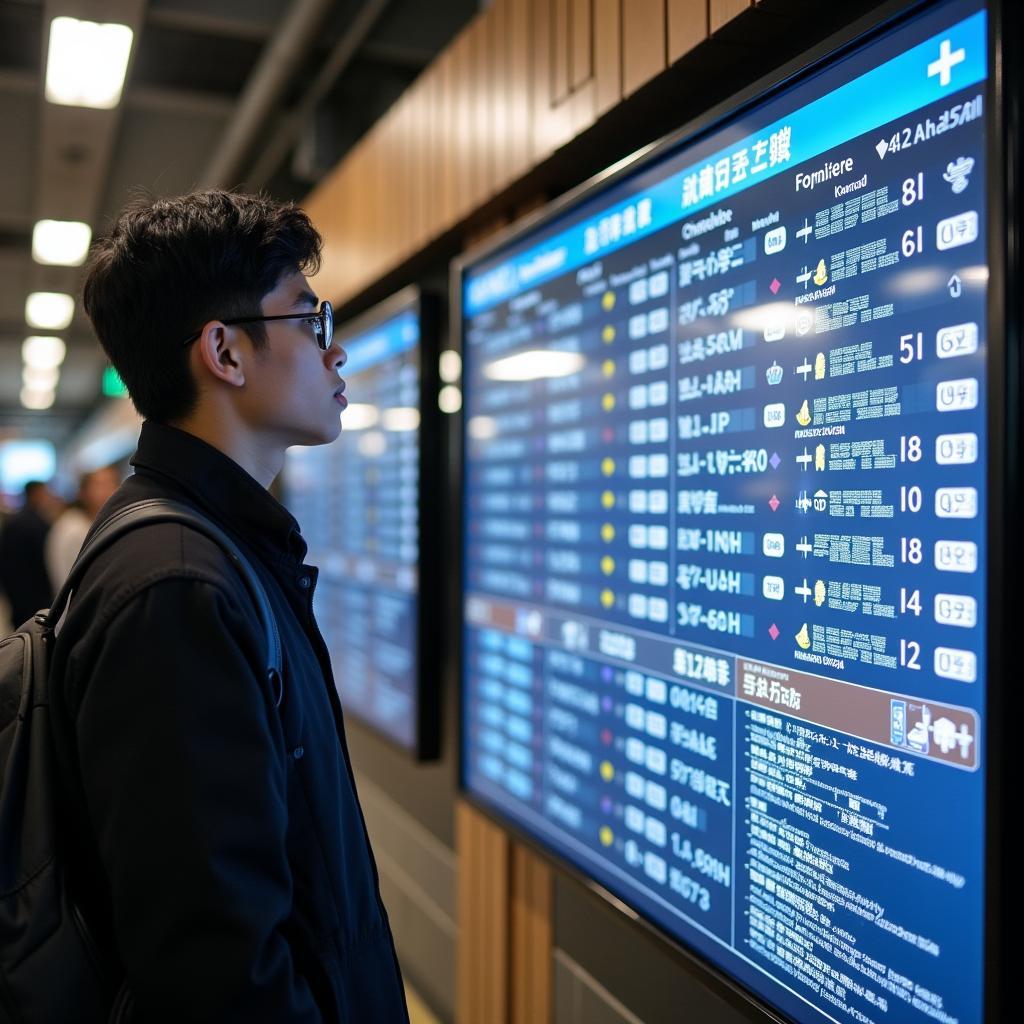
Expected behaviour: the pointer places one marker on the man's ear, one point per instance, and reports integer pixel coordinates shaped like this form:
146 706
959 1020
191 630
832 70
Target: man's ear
222 353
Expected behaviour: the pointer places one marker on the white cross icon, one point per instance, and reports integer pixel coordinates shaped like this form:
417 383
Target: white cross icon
806 459
804 591
804 368
803 547
948 59
805 231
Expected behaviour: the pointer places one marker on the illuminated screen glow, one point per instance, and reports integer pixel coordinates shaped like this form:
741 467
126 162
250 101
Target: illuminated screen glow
357 502
725 550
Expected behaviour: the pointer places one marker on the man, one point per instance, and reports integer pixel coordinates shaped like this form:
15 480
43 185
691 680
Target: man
221 851
23 575
71 527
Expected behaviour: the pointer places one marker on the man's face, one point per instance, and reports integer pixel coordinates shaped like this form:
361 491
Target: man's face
292 385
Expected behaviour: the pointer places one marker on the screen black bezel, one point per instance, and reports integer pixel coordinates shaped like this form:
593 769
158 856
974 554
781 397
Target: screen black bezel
1003 377
426 742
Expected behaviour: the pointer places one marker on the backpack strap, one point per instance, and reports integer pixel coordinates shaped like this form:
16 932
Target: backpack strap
162 510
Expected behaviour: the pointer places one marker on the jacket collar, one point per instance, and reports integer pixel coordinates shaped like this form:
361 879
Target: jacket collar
219 486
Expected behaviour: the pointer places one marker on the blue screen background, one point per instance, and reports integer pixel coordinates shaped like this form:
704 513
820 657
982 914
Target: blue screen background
357 503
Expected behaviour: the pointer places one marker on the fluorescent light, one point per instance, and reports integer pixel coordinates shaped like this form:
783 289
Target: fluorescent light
449 399
450 366
86 62
401 417
33 399
360 417
61 243
50 310
482 428
40 378
535 365
372 445
43 352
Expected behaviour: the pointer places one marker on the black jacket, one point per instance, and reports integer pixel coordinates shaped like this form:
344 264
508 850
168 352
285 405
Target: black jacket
222 852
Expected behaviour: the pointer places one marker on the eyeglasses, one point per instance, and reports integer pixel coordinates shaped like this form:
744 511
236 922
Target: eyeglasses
322 322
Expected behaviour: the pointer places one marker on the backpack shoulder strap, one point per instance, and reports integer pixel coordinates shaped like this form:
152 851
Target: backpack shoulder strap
164 510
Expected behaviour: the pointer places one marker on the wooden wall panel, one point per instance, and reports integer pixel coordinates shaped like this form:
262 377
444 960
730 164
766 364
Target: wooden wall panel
446 154
643 42
558 14
531 946
723 11
581 42
687 26
482 960
607 27
551 124
520 86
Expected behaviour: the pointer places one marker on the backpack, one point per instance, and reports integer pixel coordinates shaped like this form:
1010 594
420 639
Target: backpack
50 969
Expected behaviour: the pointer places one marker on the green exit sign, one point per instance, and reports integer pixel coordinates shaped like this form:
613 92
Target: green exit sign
113 386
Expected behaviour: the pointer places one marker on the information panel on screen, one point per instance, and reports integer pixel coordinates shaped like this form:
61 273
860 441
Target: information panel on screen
357 503
725 548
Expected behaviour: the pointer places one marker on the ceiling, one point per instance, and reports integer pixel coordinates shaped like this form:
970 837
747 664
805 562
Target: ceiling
259 93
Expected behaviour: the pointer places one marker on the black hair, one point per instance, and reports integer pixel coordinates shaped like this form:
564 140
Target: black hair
169 266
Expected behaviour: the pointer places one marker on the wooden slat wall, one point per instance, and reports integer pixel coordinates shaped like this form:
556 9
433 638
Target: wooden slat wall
482 958
520 81
531 897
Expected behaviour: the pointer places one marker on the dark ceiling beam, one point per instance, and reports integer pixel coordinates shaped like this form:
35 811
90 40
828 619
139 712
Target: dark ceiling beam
205 24
267 83
407 58
20 83
281 142
156 99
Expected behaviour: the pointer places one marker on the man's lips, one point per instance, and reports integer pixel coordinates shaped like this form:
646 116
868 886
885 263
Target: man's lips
339 396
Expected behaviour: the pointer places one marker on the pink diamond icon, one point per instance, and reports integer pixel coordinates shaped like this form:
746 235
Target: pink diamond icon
775 286
774 503
773 631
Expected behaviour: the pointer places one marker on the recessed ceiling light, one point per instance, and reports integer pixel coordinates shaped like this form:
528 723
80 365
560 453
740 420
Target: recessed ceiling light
33 399
61 243
43 352
50 310
86 62
40 378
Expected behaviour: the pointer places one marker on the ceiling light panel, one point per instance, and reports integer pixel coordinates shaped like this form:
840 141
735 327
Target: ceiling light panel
33 399
61 243
52 311
86 62
43 353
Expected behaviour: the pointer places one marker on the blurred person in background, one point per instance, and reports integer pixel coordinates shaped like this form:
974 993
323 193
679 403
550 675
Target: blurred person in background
23 575
65 538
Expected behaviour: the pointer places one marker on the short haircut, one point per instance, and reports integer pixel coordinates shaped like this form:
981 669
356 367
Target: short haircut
34 487
169 266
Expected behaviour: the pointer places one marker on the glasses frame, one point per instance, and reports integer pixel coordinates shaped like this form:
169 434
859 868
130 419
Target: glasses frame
322 320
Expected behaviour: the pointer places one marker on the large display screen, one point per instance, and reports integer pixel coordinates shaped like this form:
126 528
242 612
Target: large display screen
357 503
725 546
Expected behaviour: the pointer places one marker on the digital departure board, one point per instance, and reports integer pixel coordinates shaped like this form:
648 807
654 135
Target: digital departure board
725 559
357 501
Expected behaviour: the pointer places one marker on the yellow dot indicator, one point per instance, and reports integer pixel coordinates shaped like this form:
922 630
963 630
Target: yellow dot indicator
608 300
607 771
607 466
607 533
607 598
608 402
608 368
607 565
607 836
608 335
608 499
